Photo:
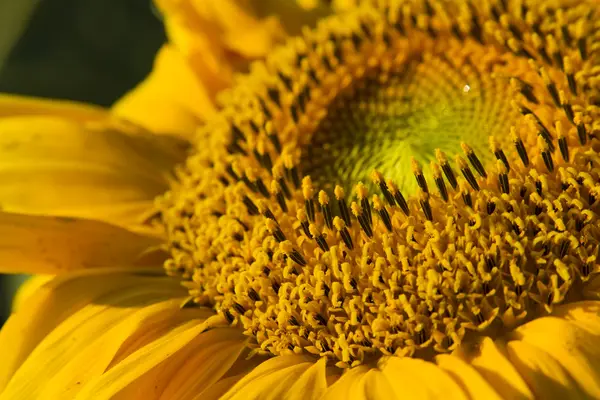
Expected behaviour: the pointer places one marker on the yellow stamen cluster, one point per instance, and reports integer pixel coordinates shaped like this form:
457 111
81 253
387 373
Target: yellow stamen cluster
494 235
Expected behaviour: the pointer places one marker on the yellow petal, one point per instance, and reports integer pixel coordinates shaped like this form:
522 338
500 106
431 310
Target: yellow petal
418 379
350 384
83 346
29 287
311 384
573 346
174 98
272 379
149 371
207 364
54 245
62 297
55 166
491 362
467 377
544 374
14 105
218 389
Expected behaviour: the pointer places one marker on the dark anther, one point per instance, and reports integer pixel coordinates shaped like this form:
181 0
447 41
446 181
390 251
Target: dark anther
538 187
237 133
320 319
344 212
293 321
421 181
449 174
502 157
260 185
468 174
234 147
386 192
276 286
522 152
364 203
569 112
274 96
385 217
523 192
239 308
366 30
253 295
364 224
286 81
439 182
228 316
466 196
275 140
582 47
279 235
353 283
238 236
230 171
346 238
295 176
547 157
426 207
491 206
320 239
281 202
581 133
326 209
572 83
503 183
265 109
250 206
250 185
586 269
294 113
564 148
297 257
550 298
516 228
305 228
224 181
309 205
401 201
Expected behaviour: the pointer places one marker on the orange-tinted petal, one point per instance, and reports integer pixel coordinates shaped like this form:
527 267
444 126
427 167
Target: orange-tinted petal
572 342
351 383
58 166
273 378
491 361
467 377
418 379
54 245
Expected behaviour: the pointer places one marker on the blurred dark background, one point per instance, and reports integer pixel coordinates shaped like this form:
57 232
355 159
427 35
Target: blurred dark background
86 50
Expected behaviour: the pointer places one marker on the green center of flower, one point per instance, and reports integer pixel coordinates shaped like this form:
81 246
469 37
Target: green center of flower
386 119
271 226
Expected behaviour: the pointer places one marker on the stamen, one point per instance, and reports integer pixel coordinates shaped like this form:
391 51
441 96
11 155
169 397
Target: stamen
441 157
467 173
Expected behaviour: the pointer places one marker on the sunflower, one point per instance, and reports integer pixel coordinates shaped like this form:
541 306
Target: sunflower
398 203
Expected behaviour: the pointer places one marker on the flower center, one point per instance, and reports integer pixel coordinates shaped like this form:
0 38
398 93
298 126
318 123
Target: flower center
388 117
271 225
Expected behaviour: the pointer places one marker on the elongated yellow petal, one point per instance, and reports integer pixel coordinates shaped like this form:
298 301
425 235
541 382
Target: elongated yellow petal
467 377
311 384
218 389
350 384
54 245
56 166
573 346
62 297
417 379
148 372
175 98
544 374
491 362
272 379
14 105
29 287
206 364
83 346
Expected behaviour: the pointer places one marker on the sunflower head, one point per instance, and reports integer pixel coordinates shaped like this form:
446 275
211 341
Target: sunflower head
405 178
